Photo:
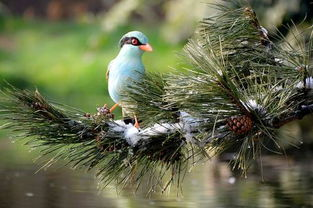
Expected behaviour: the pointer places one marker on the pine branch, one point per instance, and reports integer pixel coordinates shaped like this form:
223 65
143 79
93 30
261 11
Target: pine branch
296 115
240 88
151 106
115 149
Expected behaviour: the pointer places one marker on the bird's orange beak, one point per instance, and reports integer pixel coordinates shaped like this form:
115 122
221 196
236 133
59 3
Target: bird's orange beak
146 47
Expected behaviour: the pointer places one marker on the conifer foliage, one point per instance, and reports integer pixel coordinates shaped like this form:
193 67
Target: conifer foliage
238 90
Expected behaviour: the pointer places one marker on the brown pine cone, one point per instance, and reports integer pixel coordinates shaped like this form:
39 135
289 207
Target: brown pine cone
240 124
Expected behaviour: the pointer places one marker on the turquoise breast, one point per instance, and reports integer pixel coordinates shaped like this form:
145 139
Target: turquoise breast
121 74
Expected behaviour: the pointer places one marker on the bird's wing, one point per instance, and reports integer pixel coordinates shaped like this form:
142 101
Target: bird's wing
108 70
107 73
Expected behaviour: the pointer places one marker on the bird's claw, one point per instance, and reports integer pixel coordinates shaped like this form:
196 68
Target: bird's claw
137 125
136 122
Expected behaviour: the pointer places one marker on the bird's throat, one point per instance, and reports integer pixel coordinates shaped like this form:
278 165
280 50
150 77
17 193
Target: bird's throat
130 52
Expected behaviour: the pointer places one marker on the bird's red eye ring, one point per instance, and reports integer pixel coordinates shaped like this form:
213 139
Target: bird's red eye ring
134 41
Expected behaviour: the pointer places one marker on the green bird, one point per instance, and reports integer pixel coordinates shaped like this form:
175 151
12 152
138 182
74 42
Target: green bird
126 66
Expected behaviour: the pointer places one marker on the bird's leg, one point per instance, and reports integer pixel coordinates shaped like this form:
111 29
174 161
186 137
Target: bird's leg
113 107
136 122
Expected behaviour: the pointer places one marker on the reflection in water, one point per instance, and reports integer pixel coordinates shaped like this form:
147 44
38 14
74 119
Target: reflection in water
20 187
286 183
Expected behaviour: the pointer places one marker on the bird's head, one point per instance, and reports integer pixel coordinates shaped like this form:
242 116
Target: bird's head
134 43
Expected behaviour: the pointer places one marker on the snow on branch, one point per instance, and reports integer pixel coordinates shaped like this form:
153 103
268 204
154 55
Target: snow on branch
187 126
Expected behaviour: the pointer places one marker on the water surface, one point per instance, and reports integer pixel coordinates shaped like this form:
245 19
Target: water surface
286 183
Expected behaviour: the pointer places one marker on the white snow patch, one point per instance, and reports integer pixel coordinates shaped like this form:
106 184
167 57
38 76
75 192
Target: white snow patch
132 135
159 129
118 126
279 88
299 85
302 67
264 30
129 131
308 83
245 42
188 125
253 104
278 60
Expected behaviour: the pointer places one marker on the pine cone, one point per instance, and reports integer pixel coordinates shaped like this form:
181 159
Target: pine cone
240 124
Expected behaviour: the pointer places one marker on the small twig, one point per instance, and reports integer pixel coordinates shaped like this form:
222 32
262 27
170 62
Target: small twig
297 115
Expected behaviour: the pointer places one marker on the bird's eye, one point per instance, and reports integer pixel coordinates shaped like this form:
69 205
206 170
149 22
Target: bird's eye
135 41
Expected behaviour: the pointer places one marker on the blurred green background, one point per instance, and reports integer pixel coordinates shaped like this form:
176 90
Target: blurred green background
63 47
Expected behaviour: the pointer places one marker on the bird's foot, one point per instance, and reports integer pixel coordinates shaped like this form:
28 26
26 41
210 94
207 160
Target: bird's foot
113 107
132 121
136 123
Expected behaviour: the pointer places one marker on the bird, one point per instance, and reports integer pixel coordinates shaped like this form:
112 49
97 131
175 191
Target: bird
127 66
